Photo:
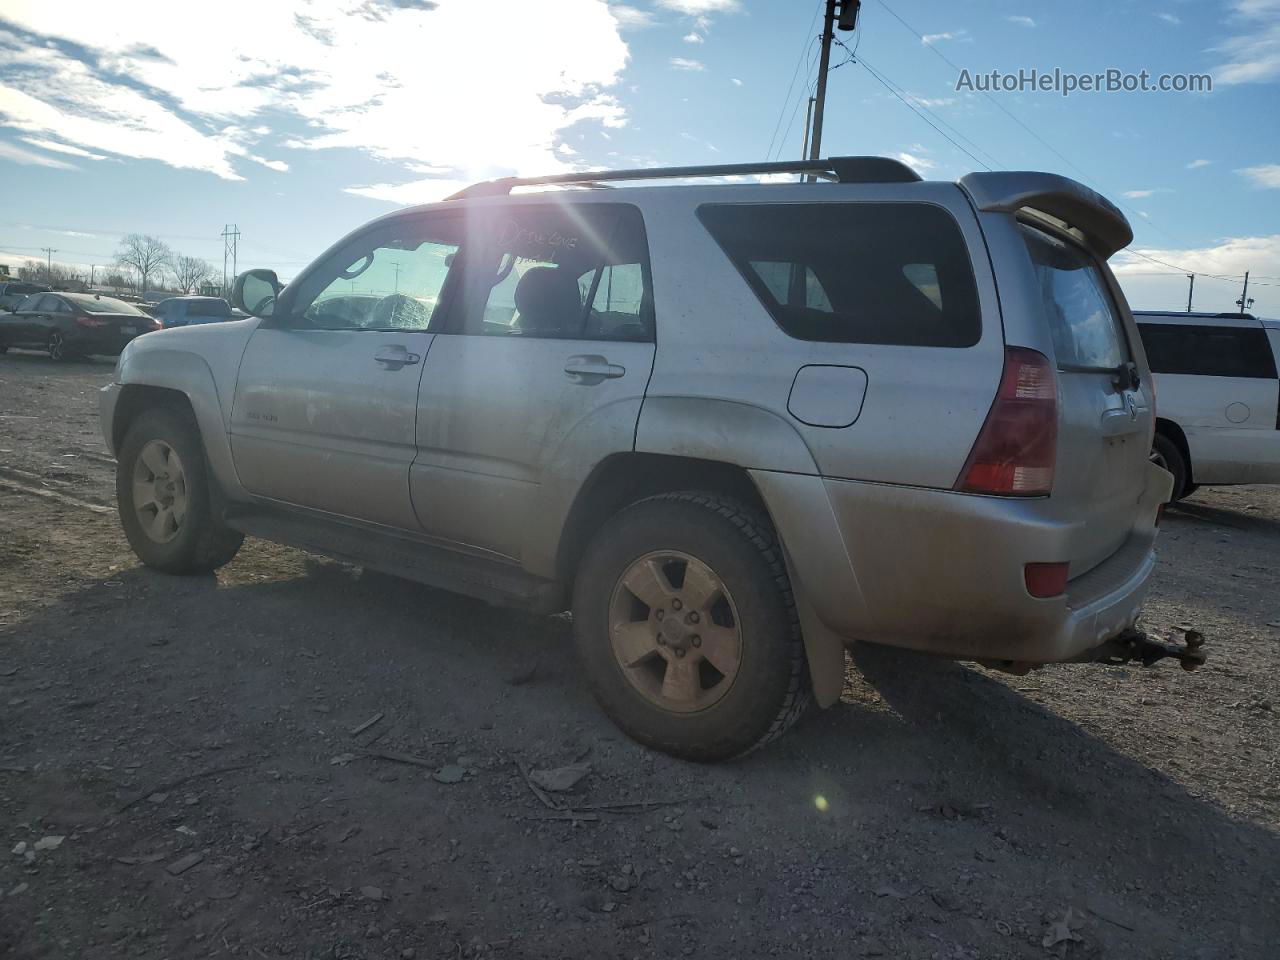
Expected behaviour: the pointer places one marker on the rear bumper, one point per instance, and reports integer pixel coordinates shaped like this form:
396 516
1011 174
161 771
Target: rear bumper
943 572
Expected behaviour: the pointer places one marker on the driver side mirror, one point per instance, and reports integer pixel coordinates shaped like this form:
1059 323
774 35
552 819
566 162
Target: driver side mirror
255 292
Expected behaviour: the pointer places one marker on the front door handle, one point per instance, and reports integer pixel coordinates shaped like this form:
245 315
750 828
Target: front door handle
591 368
395 357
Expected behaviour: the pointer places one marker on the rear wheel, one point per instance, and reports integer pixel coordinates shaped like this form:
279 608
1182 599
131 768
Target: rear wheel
57 347
165 497
1166 454
687 627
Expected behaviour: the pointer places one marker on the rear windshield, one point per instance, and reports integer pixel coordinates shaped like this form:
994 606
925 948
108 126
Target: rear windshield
1082 316
886 273
103 305
208 308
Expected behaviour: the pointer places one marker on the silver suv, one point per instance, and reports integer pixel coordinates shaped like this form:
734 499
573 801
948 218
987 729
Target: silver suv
733 426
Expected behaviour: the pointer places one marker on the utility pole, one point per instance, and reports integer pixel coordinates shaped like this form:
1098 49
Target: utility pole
396 264
1190 290
230 243
93 272
1244 296
808 126
49 251
846 19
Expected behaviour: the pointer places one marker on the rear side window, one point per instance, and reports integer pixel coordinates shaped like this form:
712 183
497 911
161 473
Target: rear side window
883 273
1082 317
1208 351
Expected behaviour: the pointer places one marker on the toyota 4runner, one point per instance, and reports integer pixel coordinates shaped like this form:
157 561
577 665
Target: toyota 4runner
734 426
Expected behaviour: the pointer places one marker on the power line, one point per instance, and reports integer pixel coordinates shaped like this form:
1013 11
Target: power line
1016 119
942 133
808 39
916 101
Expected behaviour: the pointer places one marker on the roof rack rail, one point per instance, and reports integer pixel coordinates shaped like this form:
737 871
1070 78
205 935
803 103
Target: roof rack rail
839 169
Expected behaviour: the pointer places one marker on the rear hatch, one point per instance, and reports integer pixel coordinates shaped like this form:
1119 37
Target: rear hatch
1050 238
1104 393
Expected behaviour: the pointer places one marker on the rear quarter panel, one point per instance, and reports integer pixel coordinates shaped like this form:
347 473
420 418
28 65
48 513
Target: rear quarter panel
923 406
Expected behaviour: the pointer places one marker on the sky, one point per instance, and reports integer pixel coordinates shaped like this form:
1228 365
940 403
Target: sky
298 120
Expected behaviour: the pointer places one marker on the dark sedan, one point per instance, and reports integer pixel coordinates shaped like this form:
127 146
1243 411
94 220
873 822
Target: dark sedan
72 325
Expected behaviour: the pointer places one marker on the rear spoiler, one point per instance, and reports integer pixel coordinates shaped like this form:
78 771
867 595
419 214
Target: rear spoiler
1097 219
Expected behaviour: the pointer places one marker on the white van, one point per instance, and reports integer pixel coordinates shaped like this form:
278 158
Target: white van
1217 397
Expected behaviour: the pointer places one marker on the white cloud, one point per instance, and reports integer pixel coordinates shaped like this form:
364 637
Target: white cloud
915 161
693 38
1253 54
278 165
376 76
933 101
1197 164
1170 18
1150 286
1021 21
735 81
61 148
683 63
1266 176
11 151
957 35
631 18
699 8
1137 194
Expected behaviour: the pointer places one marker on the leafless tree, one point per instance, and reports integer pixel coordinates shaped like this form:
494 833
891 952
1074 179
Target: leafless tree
144 254
189 272
40 271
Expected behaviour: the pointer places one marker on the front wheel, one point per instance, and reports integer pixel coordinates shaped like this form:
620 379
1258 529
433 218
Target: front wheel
687 627
165 498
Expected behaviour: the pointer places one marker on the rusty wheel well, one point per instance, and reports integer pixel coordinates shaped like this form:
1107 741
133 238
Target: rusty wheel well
1174 432
135 398
624 478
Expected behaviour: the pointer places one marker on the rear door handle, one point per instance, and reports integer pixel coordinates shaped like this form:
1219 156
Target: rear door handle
592 368
395 357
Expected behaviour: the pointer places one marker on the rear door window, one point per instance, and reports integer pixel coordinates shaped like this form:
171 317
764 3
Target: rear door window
1208 351
882 273
576 272
1082 317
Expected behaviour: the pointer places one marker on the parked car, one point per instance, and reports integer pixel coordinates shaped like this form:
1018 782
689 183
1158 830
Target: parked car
181 311
12 294
735 427
1215 374
71 325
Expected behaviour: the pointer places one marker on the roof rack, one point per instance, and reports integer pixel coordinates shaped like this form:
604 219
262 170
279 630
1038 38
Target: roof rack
839 169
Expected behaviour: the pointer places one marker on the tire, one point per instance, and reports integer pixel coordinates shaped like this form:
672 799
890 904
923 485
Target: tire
715 715
1165 453
57 347
195 542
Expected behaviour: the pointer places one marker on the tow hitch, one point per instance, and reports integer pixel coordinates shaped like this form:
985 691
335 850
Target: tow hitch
1135 644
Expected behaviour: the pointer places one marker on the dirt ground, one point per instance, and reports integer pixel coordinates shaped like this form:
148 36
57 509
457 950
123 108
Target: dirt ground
194 743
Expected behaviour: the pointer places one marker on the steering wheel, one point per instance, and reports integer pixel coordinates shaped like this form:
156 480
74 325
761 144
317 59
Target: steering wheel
398 312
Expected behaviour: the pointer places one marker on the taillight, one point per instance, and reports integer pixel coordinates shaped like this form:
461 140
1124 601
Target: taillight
1015 452
92 322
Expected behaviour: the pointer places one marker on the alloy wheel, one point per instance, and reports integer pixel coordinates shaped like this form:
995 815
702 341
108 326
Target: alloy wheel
675 632
159 491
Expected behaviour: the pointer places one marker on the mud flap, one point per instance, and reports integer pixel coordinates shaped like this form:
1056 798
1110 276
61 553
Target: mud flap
823 649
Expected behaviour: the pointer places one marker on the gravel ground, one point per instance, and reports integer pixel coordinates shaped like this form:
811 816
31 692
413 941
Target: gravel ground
203 749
